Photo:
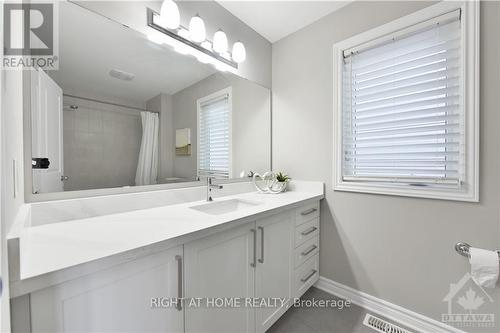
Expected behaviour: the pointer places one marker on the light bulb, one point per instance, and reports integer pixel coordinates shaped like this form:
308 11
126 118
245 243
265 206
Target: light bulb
169 14
239 52
197 32
220 42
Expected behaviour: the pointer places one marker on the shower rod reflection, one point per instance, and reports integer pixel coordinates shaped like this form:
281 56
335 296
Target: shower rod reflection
105 102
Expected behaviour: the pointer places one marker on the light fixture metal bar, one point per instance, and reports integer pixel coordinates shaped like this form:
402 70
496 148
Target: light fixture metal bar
150 19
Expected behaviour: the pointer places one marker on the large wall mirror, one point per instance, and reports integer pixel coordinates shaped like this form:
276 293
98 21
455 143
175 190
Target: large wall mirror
122 111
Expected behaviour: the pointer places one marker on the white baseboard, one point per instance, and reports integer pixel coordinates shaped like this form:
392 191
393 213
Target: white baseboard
391 311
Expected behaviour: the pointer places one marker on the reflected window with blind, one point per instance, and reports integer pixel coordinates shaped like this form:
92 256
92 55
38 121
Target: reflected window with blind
214 135
403 114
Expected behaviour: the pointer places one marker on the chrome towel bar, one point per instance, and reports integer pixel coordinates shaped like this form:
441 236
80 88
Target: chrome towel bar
463 249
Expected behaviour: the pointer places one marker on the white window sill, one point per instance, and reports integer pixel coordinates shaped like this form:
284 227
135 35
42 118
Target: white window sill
429 191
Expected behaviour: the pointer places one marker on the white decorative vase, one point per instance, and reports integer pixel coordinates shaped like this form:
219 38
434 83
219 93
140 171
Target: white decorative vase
278 187
268 183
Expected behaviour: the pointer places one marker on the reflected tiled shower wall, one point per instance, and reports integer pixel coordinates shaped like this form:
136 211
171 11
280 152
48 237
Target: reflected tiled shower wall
101 145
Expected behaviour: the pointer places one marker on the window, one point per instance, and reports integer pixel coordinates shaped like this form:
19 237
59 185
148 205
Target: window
406 106
214 135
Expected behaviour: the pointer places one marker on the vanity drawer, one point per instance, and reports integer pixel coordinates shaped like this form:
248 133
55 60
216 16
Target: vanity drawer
306 231
306 213
306 275
306 251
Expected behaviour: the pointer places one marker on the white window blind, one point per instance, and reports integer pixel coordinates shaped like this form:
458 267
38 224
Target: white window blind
403 114
214 137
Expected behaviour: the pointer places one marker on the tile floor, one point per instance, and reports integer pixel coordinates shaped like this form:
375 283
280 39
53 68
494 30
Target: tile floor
322 320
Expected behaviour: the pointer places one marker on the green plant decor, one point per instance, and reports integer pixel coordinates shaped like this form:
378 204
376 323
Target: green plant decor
282 178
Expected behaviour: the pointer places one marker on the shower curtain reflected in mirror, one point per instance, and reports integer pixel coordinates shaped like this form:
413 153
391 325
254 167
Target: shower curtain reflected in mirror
147 166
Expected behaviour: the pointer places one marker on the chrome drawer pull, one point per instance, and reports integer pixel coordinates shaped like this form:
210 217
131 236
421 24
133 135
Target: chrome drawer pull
307 232
312 248
309 276
179 283
254 232
261 260
309 211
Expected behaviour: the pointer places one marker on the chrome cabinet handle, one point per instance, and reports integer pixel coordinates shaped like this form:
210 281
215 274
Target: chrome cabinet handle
254 232
307 232
261 260
306 252
179 283
63 178
309 211
309 276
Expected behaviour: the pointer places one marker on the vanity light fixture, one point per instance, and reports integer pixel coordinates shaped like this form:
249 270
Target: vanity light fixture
207 45
193 40
170 17
239 52
181 47
184 33
197 32
220 42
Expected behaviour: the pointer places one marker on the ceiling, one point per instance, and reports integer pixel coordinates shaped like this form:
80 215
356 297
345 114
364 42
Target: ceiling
91 45
277 19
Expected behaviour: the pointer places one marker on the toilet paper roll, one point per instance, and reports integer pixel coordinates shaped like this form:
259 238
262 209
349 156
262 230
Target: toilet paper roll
484 267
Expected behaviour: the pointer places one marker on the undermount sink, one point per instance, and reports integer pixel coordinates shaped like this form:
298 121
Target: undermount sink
225 206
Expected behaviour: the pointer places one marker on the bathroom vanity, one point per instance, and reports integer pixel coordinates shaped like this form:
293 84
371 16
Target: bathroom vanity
110 273
116 226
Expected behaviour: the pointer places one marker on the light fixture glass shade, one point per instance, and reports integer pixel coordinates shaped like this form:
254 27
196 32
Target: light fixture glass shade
197 32
169 14
220 42
239 52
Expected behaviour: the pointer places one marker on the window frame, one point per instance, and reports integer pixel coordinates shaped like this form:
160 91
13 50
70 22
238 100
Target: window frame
229 92
469 191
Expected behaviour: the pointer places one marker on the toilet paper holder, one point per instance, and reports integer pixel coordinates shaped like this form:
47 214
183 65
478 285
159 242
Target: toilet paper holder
463 249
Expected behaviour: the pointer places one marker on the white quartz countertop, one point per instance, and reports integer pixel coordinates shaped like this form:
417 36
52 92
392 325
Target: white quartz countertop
51 247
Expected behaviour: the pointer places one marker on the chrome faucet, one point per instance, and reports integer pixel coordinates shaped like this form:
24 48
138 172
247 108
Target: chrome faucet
210 186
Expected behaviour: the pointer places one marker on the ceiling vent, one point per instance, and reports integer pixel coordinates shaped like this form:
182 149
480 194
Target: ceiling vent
121 75
381 325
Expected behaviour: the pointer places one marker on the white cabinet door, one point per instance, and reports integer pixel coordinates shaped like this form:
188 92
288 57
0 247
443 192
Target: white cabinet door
47 131
273 275
114 300
221 266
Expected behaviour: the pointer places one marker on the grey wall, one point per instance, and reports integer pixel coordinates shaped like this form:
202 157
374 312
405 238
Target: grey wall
399 249
101 145
250 121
